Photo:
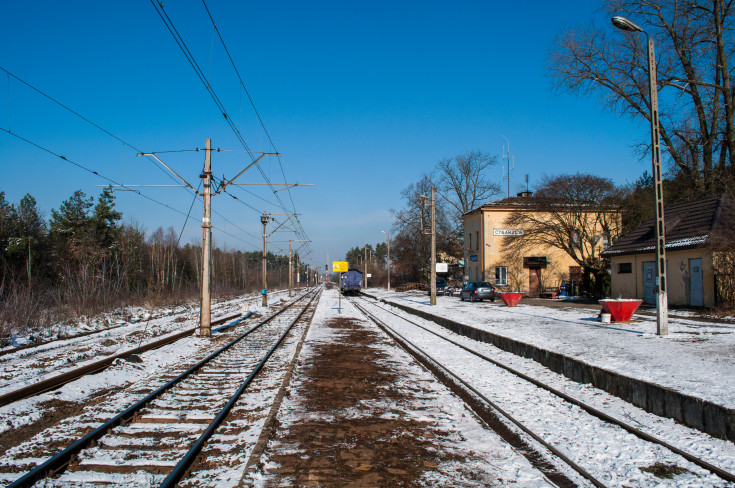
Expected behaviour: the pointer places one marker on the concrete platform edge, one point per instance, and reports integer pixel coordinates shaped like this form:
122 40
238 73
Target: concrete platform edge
703 415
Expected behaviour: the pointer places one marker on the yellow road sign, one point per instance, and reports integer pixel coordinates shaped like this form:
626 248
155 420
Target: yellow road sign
339 266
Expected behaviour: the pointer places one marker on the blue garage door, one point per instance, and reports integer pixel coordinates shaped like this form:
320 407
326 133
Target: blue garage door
696 283
649 282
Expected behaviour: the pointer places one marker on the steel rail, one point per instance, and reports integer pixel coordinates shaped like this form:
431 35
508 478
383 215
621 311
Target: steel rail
726 475
5 352
63 378
185 463
61 460
68 338
447 374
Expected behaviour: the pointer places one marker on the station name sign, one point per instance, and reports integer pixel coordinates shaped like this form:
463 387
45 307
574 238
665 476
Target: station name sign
508 232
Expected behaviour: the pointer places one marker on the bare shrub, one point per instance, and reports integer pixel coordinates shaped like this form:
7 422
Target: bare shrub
23 311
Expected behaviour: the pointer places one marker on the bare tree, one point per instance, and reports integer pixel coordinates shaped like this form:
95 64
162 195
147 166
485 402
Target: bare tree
694 46
409 244
723 257
463 182
575 213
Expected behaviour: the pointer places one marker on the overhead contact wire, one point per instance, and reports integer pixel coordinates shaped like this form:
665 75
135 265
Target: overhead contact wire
257 114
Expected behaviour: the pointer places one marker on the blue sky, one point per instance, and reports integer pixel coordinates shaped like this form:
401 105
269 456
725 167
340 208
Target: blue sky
359 97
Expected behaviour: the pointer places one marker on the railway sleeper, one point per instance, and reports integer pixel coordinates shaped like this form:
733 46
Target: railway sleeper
189 435
162 468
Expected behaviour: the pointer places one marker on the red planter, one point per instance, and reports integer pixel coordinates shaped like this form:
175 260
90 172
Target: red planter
511 299
620 310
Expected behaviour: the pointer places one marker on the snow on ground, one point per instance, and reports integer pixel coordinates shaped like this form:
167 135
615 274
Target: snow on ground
696 358
19 366
480 457
124 316
607 451
121 385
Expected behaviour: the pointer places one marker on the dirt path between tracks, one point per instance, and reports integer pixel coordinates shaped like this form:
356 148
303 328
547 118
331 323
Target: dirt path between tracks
337 431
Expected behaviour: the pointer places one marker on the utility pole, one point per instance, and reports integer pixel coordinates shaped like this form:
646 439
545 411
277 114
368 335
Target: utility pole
388 263
432 232
388 259
264 220
298 274
205 294
290 284
433 246
206 298
662 300
365 261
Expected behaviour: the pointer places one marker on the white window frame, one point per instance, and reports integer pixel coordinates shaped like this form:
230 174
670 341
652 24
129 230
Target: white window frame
501 275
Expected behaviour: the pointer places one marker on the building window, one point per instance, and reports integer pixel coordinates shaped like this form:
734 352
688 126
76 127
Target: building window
470 274
605 240
501 275
625 268
469 238
576 239
477 239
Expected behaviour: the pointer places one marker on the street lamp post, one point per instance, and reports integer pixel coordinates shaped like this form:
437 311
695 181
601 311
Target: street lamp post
662 318
388 260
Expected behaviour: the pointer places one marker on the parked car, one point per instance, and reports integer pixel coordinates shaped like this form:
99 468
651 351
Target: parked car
477 290
441 285
453 290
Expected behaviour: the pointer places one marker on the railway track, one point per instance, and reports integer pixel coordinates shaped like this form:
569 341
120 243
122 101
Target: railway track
37 368
156 440
106 332
25 366
50 343
499 393
61 379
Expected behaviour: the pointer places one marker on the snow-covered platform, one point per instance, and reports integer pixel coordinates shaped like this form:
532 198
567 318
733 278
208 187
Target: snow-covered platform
688 375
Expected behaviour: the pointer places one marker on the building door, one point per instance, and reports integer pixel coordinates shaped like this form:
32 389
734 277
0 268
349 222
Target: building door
696 283
649 282
534 282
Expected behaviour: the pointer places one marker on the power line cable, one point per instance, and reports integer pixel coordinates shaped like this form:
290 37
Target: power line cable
192 61
195 66
138 192
252 103
84 168
69 109
187 215
125 143
190 58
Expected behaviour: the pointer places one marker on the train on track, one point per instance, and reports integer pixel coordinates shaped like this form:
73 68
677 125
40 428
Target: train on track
351 282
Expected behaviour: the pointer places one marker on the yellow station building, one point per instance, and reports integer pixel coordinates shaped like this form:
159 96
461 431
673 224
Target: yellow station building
535 270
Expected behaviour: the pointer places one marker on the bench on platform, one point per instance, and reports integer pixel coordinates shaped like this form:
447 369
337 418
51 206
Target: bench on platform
550 293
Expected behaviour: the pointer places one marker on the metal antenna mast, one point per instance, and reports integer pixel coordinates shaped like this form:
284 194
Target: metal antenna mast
509 163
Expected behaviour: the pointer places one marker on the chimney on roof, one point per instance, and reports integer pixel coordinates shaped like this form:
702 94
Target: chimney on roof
525 194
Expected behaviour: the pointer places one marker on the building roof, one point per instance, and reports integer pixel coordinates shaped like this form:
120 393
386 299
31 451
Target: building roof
538 204
688 225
